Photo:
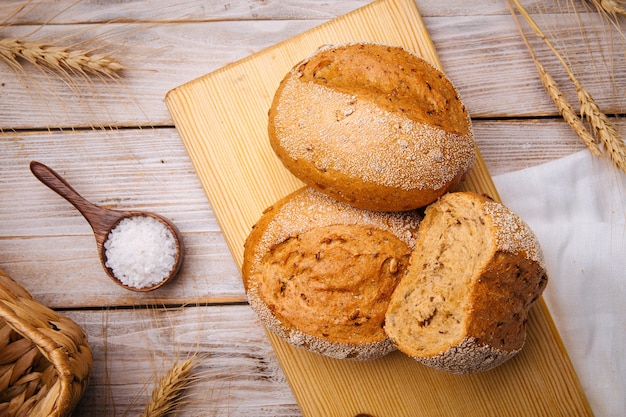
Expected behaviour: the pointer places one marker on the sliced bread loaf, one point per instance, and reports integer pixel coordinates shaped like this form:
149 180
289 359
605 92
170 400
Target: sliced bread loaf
476 270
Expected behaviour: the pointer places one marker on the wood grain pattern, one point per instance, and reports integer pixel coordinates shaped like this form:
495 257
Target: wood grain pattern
222 121
237 373
103 221
47 244
167 11
141 163
483 55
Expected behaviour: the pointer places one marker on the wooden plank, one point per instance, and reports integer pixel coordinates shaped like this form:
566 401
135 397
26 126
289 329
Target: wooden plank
158 58
236 371
593 48
222 120
483 55
72 11
511 145
47 244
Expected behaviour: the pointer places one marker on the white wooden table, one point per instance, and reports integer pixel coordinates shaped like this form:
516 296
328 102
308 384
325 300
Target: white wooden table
115 142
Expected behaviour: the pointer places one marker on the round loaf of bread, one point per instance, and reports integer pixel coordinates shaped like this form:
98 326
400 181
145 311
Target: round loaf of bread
372 125
476 270
320 273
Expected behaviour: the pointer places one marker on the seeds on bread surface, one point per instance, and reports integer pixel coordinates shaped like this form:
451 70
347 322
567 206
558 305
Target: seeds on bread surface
372 125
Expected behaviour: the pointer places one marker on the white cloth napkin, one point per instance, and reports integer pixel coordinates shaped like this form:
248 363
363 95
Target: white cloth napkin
577 208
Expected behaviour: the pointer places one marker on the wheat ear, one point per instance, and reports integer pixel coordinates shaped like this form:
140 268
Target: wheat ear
57 58
566 110
612 7
603 130
166 395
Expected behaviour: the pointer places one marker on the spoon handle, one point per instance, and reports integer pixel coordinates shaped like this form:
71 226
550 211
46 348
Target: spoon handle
100 219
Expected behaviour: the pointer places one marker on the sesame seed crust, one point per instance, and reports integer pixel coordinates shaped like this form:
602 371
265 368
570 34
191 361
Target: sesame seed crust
416 155
372 125
513 235
308 208
467 357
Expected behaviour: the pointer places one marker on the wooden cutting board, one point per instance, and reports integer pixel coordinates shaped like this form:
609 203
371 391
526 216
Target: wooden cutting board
222 120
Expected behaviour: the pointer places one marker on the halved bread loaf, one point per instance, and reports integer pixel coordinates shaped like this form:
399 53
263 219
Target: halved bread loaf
320 273
476 270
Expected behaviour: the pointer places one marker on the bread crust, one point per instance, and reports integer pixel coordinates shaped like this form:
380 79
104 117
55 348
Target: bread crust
470 317
319 273
372 125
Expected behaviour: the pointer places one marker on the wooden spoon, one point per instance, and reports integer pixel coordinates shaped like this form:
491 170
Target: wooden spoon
103 220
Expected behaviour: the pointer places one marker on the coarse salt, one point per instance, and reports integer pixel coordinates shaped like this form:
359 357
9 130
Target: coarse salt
140 251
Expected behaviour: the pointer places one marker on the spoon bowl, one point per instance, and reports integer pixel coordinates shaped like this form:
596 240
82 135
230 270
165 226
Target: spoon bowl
103 221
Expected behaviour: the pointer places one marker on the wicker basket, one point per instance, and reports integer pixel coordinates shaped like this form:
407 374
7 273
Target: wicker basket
45 360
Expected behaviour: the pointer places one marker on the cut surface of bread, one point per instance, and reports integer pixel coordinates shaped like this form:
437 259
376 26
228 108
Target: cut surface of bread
320 273
476 270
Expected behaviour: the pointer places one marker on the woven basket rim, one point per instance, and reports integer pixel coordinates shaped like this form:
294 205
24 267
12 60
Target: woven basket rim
60 340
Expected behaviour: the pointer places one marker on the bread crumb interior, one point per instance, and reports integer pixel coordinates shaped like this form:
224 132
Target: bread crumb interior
429 311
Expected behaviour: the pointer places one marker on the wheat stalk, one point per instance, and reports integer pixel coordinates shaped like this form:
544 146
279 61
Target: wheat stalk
603 130
566 110
167 394
57 58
